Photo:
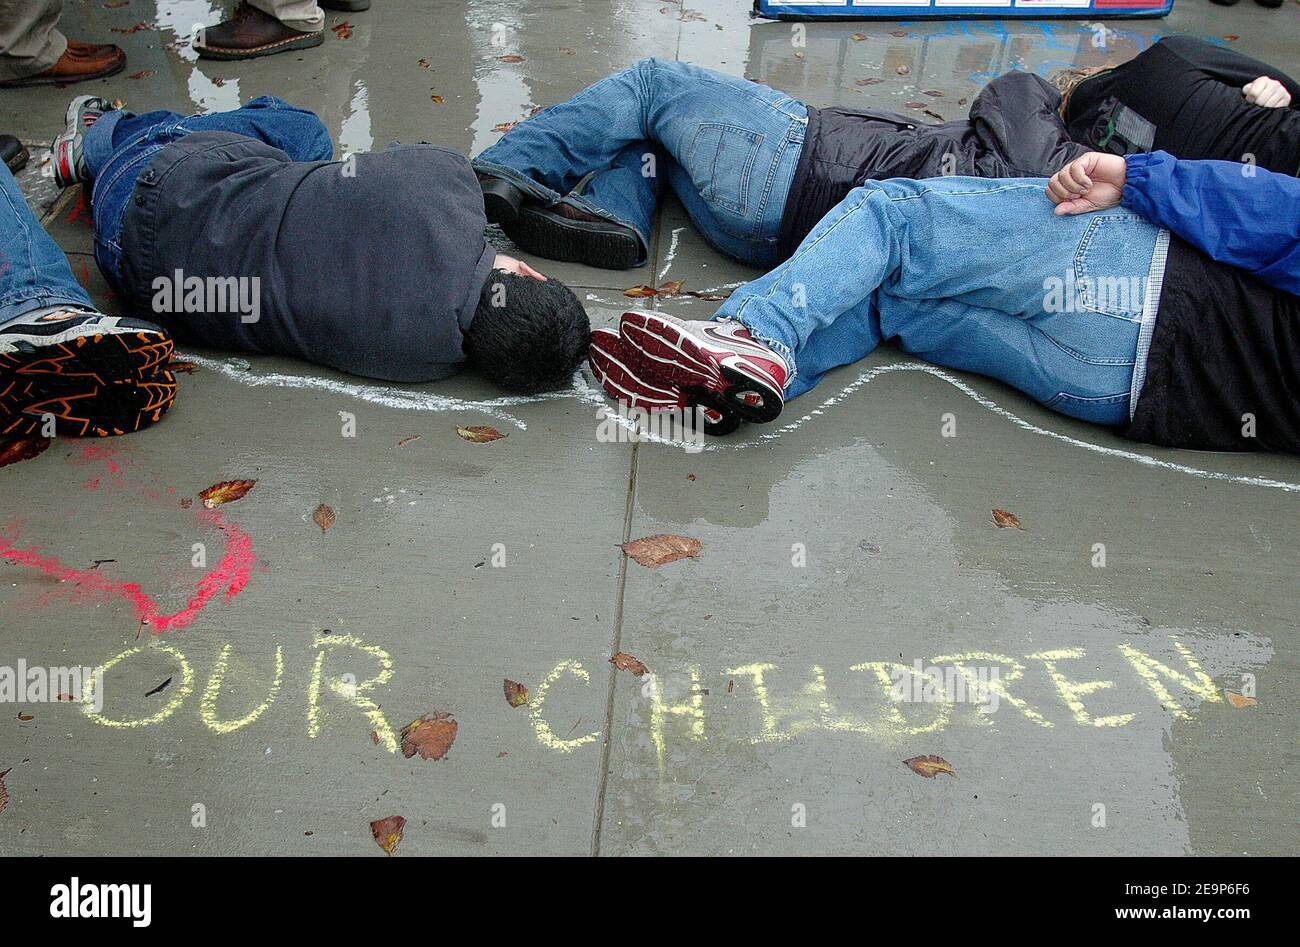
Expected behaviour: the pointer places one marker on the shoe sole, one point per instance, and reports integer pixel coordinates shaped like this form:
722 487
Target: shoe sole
608 246
624 380
65 80
678 357
501 201
96 385
306 41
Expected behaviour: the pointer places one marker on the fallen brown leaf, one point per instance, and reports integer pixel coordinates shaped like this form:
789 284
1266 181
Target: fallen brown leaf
25 717
567 51
116 4
929 766
176 365
933 93
431 736
671 288
871 80
1232 37
323 517
142 74
24 448
933 114
1239 701
128 30
342 30
4 792
437 99
424 63
512 58
916 105
712 297
516 694
479 434
640 292
1004 520
655 551
504 126
898 33
406 440
228 491
625 662
374 737
858 37
388 832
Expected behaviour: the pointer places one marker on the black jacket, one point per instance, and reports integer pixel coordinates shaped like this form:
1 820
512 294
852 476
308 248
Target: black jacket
1014 130
373 266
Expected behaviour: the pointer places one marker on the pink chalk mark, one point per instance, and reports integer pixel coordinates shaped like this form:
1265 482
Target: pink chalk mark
231 575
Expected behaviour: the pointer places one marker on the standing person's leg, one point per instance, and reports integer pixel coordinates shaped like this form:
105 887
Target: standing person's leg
737 141
255 28
305 16
34 52
30 41
60 360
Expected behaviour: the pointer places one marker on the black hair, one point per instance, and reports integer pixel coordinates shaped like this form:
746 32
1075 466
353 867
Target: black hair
527 335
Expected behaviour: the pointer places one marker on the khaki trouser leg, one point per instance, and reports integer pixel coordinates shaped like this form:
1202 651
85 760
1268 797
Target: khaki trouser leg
302 15
29 43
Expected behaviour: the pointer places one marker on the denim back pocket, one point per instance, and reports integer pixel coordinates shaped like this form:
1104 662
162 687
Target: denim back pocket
1111 265
721 162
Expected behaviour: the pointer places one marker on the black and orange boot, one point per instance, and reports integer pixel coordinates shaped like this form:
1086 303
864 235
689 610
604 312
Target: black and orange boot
94 375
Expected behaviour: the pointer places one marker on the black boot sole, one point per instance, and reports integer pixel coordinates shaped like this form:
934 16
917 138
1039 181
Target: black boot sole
501 200
100 386
346 6
305 41
543 232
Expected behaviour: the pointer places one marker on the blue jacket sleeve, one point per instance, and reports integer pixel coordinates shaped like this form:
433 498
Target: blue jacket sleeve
1234 213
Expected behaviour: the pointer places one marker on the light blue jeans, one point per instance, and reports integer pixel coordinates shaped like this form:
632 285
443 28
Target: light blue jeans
972 274
34 272
727 146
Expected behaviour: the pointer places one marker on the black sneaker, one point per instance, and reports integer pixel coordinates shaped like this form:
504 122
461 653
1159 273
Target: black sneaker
560 231
94 374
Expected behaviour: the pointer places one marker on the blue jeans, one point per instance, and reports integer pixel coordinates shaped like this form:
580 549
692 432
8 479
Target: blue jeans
727 146
34 272
973 274
120 146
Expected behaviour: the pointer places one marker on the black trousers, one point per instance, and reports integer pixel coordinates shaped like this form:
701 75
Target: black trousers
1185 94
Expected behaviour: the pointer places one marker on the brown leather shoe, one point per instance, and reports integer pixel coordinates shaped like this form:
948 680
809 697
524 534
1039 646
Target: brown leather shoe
79 62
250 33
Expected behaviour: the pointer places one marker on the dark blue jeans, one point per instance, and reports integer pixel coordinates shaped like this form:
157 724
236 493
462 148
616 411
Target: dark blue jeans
120 146
34 272
727 146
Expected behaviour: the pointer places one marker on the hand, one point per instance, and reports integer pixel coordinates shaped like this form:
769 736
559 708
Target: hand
511 265
1092 182
1267 92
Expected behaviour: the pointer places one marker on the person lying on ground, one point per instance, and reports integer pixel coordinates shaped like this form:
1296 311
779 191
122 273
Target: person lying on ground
756 169
238 231
1191 99
1187 339
65 368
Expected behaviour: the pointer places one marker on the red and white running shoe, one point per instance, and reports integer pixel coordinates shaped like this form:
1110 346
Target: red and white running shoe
720 358
68 154
620 371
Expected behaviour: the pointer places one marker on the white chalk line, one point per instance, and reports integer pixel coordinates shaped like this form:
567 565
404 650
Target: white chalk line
585 391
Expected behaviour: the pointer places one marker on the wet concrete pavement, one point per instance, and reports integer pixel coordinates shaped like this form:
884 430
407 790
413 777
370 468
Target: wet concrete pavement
848 542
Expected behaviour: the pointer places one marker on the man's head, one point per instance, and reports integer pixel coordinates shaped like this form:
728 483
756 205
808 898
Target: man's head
529 333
